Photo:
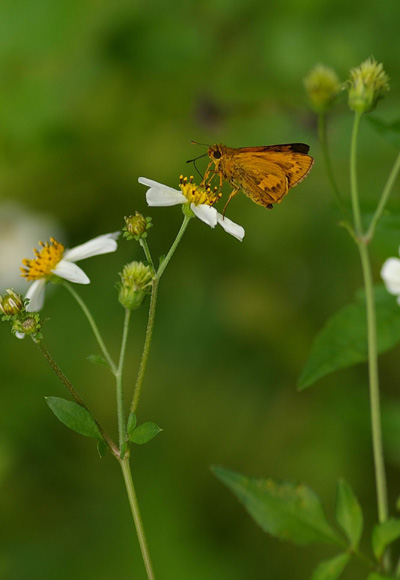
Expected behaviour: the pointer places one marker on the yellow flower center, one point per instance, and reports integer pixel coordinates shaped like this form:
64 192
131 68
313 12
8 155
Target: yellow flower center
46 260
198 194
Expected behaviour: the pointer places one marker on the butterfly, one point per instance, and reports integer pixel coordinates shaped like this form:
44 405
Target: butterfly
265 174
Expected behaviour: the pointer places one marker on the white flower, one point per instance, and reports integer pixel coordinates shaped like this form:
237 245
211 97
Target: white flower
53 260
390 273
199 199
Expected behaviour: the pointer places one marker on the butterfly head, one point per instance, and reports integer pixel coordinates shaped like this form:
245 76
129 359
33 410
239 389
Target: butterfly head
215 152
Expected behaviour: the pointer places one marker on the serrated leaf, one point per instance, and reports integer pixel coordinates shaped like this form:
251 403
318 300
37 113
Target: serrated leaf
331 569
131 424
343 340
144 433
285 510
102 448
348 513
389 131
98 360
383 535
74 416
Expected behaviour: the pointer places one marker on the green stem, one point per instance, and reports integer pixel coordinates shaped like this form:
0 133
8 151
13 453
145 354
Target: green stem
93 325
384 197
327 158
147 253
152 314
380 475
78 399
119 387
126 471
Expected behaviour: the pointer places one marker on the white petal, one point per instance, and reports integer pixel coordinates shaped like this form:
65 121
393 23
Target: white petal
20 334
71 272
205 213
390 273
35 294
160 195
231 228
101 245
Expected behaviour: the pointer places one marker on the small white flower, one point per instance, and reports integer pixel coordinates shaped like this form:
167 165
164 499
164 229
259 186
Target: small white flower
390 273
53 260
199 199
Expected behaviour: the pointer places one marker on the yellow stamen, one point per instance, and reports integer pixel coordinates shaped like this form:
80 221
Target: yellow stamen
198 194
46 260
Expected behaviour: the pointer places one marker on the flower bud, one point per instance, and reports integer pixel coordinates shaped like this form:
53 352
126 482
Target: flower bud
29 325
11 303
136 280
367 84
136 225
322 86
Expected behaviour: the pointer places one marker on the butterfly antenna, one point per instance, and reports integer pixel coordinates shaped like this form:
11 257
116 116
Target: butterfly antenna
197 143
195 166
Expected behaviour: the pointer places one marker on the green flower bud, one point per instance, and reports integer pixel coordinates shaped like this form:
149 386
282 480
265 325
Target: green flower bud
136 226
367 84
29 325
322 86
136 280
11 303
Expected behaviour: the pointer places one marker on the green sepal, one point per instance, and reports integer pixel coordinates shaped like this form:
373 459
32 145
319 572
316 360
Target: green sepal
144 433
343 340
96 359
331 569
131 424
349 514
383 535
74 416
389 131
102 448
285 510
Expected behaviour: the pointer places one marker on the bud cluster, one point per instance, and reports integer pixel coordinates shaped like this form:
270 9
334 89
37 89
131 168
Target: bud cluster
13 307
367 84
136 281
322 86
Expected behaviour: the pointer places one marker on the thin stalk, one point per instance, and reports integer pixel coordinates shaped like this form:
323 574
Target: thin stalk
353 177
119 387
152 314
78 399
147 253
327 159
384 197
93 325
126 471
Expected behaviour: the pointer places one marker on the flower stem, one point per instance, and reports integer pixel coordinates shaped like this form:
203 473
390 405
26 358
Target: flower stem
93 325
327 159
78 399
152 313
126 471
119 386
147 253
362 241
384 197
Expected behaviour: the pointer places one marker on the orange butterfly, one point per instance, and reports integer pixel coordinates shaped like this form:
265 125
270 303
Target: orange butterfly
265 174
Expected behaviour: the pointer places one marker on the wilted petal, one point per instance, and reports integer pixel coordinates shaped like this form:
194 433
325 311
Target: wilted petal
231 228
71 272
35 294
101 245
390 273
205 213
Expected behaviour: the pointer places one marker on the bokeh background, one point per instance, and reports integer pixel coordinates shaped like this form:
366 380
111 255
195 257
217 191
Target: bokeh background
95 94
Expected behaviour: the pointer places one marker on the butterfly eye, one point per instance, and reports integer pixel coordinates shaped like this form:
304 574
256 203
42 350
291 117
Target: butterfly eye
217 154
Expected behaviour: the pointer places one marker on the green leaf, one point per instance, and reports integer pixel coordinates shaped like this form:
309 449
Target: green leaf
98 360
331 569
131 424
389 131
74 416
285 510
348 513
144 433
343 340
102 448
383 535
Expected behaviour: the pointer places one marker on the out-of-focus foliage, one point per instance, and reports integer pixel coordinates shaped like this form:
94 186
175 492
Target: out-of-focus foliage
95 94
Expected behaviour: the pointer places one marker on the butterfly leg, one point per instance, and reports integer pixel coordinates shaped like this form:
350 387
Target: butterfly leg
233 193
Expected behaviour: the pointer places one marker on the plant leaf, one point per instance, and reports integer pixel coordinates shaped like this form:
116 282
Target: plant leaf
131 424
74 416
98 360
144 433
383 535
331 569
343 340
348 513
389 131
102 448
285 510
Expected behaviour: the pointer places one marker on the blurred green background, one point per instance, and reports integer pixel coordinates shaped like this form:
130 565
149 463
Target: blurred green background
95 94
